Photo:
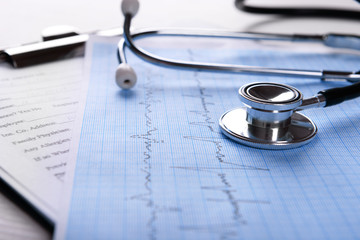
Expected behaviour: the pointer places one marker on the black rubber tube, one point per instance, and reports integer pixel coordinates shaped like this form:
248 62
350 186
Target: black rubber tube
300 12
338 95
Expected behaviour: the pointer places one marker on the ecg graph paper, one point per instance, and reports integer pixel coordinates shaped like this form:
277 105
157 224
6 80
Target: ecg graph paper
152 163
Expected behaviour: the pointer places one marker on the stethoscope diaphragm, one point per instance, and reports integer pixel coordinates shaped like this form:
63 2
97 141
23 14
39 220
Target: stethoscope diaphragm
269 120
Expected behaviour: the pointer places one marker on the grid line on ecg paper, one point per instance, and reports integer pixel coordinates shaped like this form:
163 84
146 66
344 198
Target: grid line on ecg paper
293 188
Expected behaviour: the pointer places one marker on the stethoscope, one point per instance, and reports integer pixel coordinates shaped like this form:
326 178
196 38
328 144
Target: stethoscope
271 118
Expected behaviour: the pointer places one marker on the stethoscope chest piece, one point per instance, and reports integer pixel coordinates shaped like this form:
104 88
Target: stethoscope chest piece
269 120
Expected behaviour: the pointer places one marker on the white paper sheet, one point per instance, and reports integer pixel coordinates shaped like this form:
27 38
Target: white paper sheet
38 106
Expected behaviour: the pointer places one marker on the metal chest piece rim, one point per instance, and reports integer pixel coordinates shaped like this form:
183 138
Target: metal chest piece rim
268 121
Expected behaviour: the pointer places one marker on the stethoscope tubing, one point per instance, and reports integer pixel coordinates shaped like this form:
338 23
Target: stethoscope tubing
267 122
299 12
128 41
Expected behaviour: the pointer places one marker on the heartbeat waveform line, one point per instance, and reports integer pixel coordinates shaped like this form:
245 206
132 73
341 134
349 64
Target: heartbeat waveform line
208 122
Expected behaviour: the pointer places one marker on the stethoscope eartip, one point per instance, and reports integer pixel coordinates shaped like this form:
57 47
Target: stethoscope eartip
125 76
130 7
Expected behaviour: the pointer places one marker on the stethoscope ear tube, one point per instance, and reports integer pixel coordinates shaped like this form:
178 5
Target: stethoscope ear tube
338 95
130 8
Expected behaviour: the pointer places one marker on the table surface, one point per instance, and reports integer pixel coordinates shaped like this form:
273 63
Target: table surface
22 22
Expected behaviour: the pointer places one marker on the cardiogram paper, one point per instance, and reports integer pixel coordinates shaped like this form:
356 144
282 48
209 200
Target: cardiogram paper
152 163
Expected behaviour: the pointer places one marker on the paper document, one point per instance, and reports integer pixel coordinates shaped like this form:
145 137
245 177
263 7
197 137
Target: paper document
153 164
38 106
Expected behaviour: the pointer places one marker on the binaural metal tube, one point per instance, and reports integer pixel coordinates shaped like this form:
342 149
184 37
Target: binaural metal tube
155 59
